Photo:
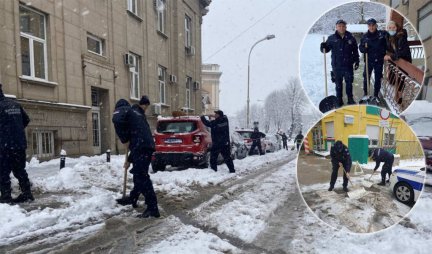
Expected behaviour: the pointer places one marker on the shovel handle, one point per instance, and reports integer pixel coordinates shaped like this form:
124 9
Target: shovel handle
325 70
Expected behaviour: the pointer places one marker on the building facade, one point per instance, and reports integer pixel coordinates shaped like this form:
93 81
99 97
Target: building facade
397 136
68 62
210 87
419 13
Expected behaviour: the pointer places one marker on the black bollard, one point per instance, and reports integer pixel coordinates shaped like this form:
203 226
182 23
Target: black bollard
108 155
62 159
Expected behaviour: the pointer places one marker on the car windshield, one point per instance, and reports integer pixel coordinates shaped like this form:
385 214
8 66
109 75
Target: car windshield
176 127
245 134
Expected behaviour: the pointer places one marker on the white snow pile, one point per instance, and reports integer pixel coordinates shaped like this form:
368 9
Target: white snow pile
189 239
247 215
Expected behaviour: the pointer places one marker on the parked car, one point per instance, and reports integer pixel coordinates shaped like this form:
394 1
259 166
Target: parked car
427 148
246 134
271 143
181 141
407 184
239 150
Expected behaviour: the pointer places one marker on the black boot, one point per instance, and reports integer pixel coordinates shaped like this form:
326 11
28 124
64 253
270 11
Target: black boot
150 213
351 101
6 198
23 197
128 201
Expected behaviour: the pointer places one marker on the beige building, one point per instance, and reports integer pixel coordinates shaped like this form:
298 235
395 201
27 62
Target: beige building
68 62
210 87
419 13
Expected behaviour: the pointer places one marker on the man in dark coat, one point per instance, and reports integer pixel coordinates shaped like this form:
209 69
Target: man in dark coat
141 147
340 157
380 155
298 140
256 141
13 145
284 141
344 56
376 50
220 140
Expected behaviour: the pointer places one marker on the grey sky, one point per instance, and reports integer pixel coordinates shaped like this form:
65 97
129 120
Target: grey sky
272 62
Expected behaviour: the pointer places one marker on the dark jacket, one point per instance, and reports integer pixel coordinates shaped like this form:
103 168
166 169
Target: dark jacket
397 46
340 153
256 136
377 45
299 138
141 137
219 131
13 121
380 155
344 51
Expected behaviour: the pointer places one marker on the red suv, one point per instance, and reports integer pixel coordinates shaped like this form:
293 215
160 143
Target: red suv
181 141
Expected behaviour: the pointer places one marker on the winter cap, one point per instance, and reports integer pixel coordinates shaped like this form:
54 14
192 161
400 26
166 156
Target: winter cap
340 21
371 22
219 112
144 100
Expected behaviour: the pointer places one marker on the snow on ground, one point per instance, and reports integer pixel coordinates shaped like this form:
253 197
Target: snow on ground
412 236
189 239
84 193
247 215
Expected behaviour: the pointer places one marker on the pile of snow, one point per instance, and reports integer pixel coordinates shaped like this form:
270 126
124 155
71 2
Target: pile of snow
189 239
247 215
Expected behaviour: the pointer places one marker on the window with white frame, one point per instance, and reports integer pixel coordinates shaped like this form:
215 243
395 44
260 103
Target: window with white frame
188 91
161 10
43 143
162 82
132 6
188 31
373 133
389 137
424 21
134 70
95 44
33 43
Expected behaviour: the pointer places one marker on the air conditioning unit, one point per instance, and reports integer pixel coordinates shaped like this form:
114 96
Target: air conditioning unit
191 51
173 78
196 85
130 60
156 109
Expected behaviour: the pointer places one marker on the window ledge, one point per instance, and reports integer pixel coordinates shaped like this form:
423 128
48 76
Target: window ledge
162 34
38 81
134 16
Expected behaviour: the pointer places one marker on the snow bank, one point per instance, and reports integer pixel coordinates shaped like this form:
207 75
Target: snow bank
189 239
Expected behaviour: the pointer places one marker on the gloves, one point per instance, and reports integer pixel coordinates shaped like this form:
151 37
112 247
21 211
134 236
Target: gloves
356 65
323 46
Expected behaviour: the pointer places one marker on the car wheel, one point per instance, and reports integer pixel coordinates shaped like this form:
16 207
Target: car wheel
158 167
404 193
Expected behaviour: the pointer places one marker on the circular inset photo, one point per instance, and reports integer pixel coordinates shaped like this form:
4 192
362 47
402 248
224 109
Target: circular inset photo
362 53
362 169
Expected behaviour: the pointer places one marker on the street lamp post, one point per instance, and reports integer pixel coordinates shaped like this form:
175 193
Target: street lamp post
268 37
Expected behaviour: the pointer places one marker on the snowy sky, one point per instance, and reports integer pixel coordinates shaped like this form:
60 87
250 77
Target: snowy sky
273 61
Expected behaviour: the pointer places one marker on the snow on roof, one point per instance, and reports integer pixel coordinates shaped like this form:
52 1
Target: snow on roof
357 28
358 136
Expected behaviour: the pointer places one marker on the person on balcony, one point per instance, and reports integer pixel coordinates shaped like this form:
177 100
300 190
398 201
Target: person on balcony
397 43
376 50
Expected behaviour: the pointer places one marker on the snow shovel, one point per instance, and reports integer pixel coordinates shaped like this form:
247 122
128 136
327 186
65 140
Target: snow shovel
356 192
367 99
329 102
124 200
368 183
